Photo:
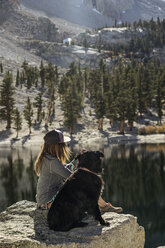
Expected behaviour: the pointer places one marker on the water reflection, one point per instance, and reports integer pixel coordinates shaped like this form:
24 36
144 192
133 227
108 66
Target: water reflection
17 178
134 178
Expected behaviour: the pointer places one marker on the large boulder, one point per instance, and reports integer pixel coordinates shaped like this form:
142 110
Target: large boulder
22 225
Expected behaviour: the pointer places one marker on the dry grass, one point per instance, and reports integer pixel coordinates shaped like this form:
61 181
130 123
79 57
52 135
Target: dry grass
151 130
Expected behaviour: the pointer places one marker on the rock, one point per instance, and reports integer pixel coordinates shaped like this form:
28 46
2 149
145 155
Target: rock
22 225
111 8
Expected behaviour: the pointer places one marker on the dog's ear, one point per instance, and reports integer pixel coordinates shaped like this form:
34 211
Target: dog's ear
100 154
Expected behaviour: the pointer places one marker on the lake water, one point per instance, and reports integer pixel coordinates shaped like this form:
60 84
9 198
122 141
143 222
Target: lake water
134 178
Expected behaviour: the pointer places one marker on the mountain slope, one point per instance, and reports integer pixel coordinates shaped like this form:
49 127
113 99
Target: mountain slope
98 13
73 11
129 10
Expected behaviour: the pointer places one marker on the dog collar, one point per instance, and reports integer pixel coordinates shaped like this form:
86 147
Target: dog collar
83 168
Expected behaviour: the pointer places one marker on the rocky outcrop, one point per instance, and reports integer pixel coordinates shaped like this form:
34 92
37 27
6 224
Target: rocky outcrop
129 10
107 37
9 4
111 8
22 225
6 8
63 55
72 11
25 25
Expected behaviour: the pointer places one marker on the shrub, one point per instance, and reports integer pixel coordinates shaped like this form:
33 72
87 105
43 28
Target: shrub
161 129
142 131
151 130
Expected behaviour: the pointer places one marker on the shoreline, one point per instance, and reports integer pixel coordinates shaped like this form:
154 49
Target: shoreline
95 139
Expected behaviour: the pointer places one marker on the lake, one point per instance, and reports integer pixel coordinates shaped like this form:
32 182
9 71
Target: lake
134 177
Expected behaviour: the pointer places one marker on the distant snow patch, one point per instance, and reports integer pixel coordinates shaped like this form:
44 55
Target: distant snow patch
119 30
98 12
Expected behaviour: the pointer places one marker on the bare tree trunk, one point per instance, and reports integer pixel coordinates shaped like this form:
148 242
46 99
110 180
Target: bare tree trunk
71 130
48 115
30 131
122 127
8 125
100 126
130 123
53 107
40 117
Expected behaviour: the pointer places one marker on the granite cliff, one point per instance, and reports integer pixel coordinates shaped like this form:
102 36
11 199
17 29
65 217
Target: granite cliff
97 13
129 10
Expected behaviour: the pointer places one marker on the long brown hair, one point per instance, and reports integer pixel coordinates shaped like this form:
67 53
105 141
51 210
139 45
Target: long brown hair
60 151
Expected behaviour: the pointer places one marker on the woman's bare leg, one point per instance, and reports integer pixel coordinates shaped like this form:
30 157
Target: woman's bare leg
101 202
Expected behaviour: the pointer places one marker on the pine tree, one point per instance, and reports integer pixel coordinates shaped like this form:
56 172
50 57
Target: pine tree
71 96
7 99
22 79
109 100
97 81
25 65
132 105
17 121
101 105
28 114
85 44
42 74
140 92
71 105
17 79
1 67
159 106
38 105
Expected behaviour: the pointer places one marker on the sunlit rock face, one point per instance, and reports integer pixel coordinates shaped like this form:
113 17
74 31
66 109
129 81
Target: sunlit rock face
9 3
24 226
72 11
111 8
99 13
129 10
6 8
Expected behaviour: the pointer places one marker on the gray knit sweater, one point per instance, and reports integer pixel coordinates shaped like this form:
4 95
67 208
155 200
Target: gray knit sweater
51 179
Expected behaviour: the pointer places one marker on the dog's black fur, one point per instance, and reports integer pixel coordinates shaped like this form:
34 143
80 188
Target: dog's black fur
79 194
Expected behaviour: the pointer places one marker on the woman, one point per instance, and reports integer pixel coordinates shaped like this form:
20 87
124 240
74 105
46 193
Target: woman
52 173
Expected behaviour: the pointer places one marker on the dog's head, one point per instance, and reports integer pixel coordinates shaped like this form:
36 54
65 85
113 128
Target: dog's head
91 160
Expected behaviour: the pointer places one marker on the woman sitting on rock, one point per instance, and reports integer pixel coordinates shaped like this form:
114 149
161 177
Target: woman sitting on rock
52 171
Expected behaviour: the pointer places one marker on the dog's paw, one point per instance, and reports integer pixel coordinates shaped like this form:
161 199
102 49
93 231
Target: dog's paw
107 223
104 223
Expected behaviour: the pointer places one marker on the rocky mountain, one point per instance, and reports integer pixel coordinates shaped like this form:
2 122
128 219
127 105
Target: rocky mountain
18 25
31 35
72 11
14 20
129 10
35 30
98 13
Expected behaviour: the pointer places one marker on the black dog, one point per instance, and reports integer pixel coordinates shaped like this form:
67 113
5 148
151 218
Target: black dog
79 194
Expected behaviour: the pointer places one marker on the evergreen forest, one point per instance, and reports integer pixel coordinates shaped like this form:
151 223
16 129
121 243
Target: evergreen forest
122 93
